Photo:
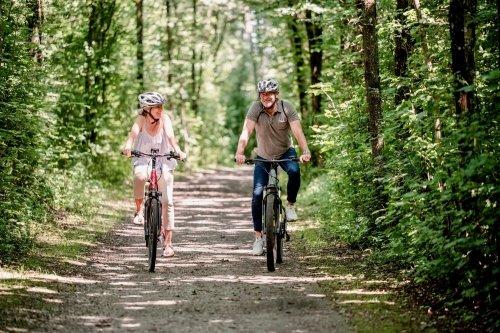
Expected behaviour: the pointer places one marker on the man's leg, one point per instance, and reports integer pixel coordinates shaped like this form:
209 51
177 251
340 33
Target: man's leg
260 177
293 170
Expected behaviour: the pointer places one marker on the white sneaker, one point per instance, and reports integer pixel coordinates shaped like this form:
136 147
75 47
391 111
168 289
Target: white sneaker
258 247
138 218
291 215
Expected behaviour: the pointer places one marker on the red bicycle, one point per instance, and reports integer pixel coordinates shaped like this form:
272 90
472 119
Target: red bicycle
152 206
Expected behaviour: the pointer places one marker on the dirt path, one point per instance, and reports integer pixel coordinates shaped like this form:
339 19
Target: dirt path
213 284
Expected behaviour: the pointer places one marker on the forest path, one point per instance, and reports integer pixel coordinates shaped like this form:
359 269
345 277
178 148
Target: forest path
213 284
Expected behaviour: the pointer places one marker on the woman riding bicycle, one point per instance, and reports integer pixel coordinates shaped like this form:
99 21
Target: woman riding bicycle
153 129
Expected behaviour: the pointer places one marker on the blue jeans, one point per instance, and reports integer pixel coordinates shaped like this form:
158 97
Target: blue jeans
260 178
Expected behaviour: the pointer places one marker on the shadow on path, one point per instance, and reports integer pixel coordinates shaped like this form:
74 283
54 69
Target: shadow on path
213 284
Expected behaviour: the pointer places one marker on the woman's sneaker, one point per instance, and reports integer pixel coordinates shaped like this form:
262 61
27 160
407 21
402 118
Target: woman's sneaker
138 218
258 247
168 251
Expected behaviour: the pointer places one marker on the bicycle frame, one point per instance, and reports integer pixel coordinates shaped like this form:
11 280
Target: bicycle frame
274 220
272 188
152 206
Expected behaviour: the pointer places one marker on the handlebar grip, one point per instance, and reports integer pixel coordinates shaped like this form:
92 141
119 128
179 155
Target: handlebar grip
135 153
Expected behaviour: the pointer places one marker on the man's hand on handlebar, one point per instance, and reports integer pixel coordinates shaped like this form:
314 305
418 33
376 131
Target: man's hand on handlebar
239 158
305 157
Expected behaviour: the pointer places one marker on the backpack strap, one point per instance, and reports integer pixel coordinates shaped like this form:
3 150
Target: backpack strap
262 110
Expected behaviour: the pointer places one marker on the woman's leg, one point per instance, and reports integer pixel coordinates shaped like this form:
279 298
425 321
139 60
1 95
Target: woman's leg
140 175
166 186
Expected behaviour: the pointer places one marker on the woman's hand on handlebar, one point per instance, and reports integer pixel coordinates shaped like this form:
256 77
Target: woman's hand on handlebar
182 155
127 152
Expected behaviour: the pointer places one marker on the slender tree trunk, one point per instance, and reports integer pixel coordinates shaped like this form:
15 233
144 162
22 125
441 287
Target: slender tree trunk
372 77
194 101
140 47
99 22
422 33
300 76
314 36
404 46
169 52
373 99
250 31
35 21
462 14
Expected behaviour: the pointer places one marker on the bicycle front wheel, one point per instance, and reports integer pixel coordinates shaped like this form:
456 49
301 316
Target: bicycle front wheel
153 222
280 231
270 218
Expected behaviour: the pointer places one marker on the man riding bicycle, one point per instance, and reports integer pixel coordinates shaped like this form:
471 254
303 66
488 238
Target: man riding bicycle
273 119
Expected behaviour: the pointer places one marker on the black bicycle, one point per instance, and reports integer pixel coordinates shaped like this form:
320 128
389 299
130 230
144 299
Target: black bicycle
152 206
273 214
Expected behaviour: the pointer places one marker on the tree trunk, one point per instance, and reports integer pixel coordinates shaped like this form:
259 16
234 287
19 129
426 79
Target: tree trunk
169 52
403 48
372 78
314 37
98 38
35 21
422 33
462 14
194 101
140 47
300 76
373 100
250 31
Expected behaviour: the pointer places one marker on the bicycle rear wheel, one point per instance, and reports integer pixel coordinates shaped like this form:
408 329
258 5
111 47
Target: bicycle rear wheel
152 236
270 218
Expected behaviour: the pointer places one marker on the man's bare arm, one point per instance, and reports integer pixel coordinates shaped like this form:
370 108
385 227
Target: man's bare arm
296 128
248 128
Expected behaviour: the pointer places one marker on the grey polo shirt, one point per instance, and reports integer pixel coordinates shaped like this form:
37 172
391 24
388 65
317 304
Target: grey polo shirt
273 132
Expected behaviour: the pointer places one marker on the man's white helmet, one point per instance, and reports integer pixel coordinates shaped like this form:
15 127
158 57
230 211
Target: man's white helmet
149 99
269 85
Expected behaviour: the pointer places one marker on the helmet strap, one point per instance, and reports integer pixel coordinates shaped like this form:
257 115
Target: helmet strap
155 120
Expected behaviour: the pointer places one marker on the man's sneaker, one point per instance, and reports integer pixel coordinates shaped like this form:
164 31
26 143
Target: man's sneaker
258 247
291 215
138 218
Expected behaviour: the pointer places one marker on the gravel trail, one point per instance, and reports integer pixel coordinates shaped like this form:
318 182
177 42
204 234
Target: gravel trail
212 284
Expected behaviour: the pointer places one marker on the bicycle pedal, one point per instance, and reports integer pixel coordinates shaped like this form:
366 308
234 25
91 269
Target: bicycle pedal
287 237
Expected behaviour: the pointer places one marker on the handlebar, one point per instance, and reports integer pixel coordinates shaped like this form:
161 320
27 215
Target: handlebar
253 160
169 155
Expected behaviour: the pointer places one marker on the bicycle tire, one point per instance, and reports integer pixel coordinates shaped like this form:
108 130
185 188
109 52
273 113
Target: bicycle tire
279 239
270 218
153 222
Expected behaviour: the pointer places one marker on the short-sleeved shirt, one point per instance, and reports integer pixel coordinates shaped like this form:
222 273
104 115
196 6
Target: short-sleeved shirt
273 132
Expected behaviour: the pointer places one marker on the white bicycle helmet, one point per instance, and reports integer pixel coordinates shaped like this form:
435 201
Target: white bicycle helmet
269 85
149 99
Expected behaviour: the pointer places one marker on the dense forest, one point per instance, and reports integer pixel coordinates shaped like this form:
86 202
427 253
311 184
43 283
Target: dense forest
399 101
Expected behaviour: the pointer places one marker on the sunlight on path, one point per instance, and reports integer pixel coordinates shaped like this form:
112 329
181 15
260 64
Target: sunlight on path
212 284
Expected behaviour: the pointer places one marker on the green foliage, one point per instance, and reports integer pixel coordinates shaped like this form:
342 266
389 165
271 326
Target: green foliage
440 171
24 196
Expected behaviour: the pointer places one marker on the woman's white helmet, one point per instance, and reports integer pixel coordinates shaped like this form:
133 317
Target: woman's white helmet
149 99
268 85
